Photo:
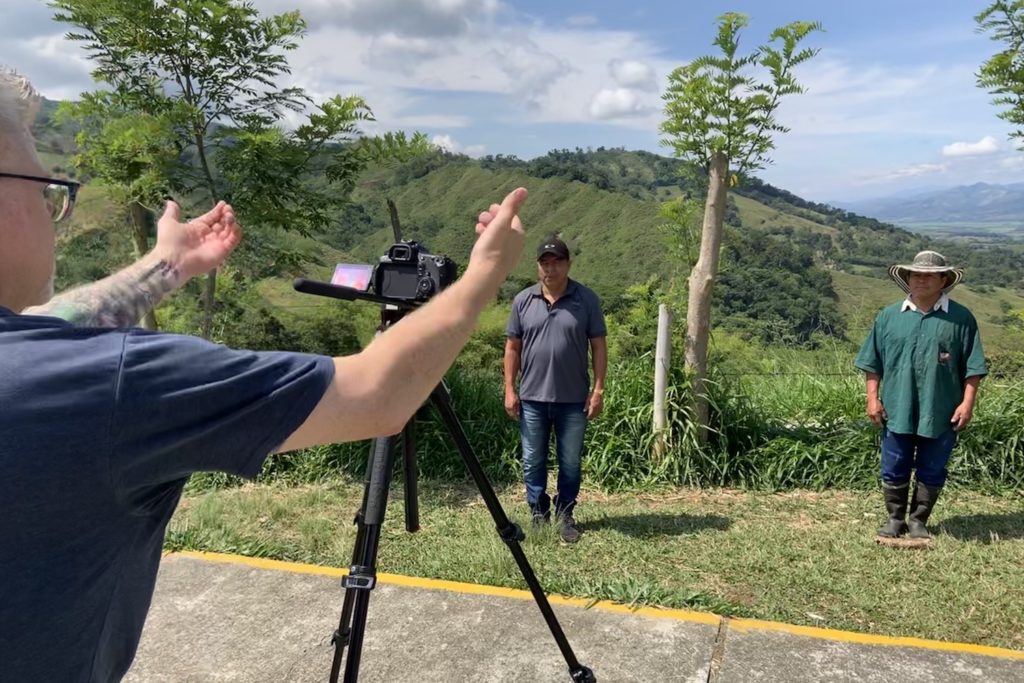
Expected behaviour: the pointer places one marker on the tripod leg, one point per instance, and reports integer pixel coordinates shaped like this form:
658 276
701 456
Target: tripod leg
509 532
362 576
411 475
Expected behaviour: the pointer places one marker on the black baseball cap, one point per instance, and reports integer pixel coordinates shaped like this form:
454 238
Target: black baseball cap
552 245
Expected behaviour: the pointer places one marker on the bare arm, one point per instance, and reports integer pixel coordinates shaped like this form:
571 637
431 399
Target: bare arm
182 251
875 409
513 361
965 411
599 361
375 392
116 301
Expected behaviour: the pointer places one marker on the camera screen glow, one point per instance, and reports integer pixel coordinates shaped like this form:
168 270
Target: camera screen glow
354 275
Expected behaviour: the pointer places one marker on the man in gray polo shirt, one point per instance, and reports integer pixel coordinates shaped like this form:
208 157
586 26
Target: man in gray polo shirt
549 330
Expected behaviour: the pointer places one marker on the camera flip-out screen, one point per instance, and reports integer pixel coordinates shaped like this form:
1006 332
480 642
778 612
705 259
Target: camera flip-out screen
354 275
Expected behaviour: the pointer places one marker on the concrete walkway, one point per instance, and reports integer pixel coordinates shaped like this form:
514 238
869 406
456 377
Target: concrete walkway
227 618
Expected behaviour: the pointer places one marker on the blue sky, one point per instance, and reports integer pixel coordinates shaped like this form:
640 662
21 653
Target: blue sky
891 104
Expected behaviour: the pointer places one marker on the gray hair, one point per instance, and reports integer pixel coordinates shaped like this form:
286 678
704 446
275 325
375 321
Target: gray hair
19 105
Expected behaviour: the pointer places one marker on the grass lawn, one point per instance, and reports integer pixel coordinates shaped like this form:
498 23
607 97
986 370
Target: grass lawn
799 557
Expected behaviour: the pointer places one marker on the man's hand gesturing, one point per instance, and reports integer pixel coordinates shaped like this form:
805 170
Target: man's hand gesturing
500 237
200 245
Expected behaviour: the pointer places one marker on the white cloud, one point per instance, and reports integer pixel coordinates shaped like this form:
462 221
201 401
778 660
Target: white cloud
612 103
424 18
529 68
911 171
986 145
846 98
633 74
450 144
401 53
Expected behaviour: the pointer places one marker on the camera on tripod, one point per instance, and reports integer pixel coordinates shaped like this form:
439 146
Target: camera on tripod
409 273
403 279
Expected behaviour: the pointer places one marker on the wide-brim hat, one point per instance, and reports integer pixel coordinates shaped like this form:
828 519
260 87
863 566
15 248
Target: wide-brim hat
926 262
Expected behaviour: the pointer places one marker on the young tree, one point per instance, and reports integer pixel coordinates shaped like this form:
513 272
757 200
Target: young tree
131 154
720 115
1003 73
212 66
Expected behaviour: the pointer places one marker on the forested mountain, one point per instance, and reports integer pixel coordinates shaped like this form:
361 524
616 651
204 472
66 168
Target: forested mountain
782 261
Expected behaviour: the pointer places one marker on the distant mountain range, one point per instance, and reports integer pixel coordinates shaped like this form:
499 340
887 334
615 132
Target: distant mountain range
967 204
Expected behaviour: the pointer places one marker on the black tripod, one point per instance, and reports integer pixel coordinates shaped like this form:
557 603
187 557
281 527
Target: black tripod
362 576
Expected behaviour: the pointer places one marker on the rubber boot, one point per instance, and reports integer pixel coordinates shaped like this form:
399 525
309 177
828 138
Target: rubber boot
924 500
896 503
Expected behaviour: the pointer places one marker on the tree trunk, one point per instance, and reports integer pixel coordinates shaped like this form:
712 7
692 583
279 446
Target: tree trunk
140 239
209 301
210 287
702 281
662 359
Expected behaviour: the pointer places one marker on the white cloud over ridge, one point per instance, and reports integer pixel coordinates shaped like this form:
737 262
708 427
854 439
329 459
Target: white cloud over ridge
450 144
986 145
611 103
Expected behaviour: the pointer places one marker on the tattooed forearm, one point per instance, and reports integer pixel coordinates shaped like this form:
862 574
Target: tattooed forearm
117 301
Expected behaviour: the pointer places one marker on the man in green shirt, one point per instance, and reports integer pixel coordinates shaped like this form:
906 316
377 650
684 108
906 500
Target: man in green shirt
926 353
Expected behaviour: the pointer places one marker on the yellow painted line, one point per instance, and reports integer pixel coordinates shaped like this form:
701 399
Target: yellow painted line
740 625
747 625
453 587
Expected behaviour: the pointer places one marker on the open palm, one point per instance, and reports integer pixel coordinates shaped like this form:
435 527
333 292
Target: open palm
200 245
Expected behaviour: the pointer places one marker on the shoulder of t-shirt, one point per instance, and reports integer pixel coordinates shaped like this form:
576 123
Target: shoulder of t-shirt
891 310
523 296
587 293
961 312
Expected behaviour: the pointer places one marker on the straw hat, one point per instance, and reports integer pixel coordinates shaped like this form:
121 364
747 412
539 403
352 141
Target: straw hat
926 262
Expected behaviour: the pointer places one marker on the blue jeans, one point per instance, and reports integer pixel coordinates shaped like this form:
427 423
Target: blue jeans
537 419
901 452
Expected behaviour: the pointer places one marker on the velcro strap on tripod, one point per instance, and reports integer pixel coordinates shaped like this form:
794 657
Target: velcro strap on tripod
359 578
513 533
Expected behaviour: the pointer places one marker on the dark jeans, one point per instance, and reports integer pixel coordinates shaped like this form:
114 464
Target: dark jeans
901 452
537 420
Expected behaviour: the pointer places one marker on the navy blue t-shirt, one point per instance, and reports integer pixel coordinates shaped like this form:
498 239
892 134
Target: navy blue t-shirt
99 430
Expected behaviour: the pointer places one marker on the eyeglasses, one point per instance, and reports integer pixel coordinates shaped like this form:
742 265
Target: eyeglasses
59 194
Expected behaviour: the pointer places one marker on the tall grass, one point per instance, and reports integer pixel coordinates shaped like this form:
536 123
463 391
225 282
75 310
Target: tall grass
805 428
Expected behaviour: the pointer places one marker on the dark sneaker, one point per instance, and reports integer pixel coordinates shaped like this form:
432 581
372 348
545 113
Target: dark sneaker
569 531
540 519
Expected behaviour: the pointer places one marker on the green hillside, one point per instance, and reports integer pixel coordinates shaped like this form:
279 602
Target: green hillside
791 269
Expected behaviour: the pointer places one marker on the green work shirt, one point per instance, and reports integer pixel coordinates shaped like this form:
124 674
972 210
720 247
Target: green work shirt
923 361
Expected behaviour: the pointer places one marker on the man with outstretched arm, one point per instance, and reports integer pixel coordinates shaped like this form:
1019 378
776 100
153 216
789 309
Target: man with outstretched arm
103 423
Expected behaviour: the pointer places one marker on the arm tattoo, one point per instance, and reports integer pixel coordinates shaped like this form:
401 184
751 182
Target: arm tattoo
117 301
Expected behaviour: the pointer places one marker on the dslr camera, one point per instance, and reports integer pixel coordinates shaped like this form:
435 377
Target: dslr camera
409 273
406 273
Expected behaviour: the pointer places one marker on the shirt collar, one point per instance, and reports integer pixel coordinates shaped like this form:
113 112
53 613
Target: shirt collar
538 289
942 304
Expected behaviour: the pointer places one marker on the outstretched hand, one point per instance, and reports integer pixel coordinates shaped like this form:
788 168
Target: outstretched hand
199 245
500 236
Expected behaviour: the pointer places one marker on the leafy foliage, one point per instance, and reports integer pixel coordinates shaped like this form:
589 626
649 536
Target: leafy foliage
1003 73
714 105
772 291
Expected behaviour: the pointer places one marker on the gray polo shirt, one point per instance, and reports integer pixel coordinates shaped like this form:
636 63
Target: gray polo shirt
556 342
